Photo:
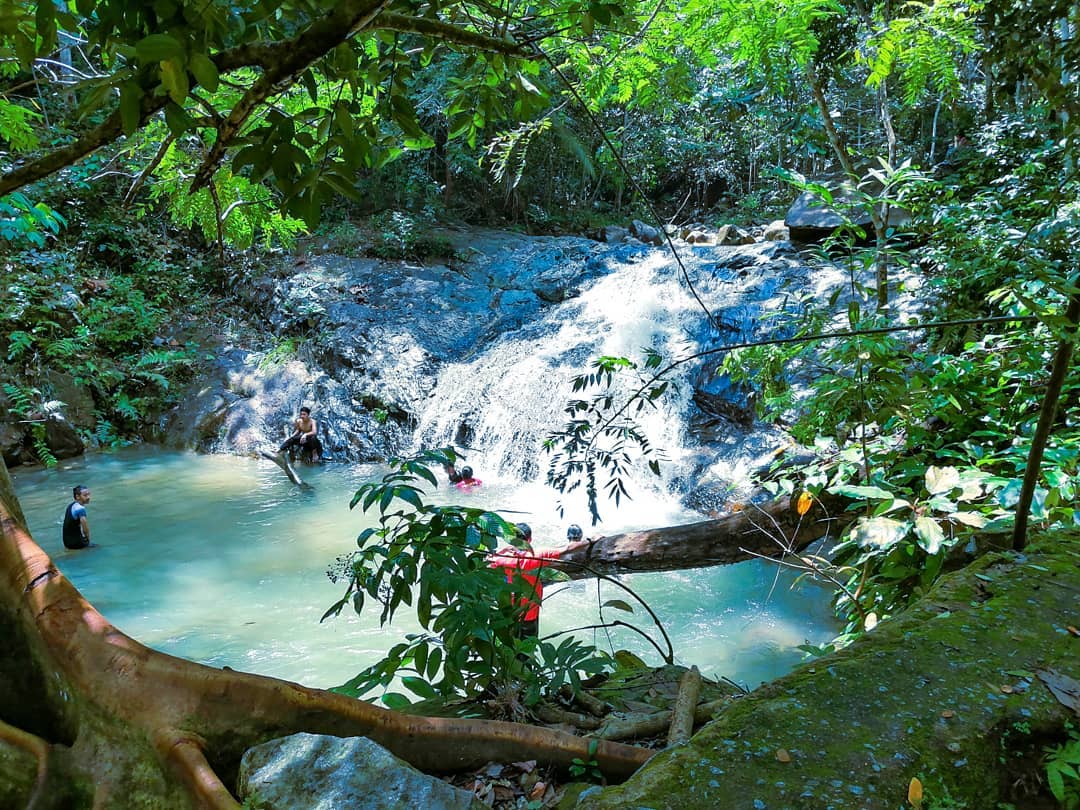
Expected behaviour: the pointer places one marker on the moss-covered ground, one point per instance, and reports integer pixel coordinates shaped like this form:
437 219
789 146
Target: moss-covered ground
953 693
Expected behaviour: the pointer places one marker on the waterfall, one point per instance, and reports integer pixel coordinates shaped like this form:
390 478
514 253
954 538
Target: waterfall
505 398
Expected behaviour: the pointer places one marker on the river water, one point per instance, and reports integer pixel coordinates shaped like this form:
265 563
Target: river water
220 560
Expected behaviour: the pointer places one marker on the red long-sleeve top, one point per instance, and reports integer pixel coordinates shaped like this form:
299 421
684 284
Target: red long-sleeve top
526 565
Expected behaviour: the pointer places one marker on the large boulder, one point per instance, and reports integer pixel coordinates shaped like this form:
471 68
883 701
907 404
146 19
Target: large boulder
316 772
963 692
646 233
811 218
78 404
61 437
13 444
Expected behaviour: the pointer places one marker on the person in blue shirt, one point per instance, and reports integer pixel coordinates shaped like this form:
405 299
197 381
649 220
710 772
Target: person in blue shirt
76 532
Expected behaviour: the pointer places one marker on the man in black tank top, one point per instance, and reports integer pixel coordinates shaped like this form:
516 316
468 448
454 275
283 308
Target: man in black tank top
76 532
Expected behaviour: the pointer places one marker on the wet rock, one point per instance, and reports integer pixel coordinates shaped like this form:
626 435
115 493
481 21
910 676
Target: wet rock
776 231
733 235
78 404
318 772
13 444
646 233
61 437
613 234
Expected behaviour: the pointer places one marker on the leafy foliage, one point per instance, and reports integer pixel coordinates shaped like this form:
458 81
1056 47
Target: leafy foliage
602 438
24 222
245 211
934 435
434 560
1063 771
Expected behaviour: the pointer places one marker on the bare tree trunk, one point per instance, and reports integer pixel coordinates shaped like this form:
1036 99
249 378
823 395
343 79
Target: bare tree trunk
1058 372
769 530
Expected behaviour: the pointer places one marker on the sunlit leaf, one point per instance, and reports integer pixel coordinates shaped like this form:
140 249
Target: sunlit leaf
941 480
879 532
929 534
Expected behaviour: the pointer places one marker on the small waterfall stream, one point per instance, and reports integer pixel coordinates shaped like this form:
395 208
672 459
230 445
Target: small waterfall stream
503 400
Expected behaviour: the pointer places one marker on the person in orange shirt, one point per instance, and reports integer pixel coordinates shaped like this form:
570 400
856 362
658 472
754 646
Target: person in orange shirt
525 565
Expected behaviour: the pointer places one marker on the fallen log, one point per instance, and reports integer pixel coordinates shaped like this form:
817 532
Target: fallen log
134 727
770 530
286 467
682 713
638 725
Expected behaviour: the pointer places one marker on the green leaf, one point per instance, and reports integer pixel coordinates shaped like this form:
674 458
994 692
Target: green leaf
941 480
25 49
205 71
929 535
974 519
1009 495
174 79
396 701
159 48
418 686
879 532
619 604
177 119
130 106
852 491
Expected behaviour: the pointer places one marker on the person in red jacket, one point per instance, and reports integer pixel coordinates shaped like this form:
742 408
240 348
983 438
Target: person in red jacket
525 565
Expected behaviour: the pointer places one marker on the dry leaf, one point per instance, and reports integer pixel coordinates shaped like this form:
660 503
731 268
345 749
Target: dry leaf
537 792
1008 690
914 793
948 713
802 506
527 767
782 755
1073 630
870 622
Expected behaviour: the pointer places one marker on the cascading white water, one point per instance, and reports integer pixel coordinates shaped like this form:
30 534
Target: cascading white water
505 399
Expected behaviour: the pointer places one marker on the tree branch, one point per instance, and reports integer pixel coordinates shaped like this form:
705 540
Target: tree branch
446 32
295 55
106 132
146 172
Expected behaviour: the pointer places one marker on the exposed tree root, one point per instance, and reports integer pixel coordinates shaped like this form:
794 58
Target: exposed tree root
148 729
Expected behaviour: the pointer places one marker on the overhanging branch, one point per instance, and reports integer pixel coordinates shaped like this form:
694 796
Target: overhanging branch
446 32
320 38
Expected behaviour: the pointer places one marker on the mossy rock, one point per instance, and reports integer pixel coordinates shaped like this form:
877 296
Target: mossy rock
951 693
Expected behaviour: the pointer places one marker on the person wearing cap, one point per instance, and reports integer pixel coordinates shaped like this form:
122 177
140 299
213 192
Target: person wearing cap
524 565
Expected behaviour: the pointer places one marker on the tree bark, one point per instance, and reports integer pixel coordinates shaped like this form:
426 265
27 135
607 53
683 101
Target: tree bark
682 713
769 530
108 723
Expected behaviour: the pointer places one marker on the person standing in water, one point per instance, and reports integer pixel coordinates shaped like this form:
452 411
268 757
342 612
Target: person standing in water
76 531
305 436
524 565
